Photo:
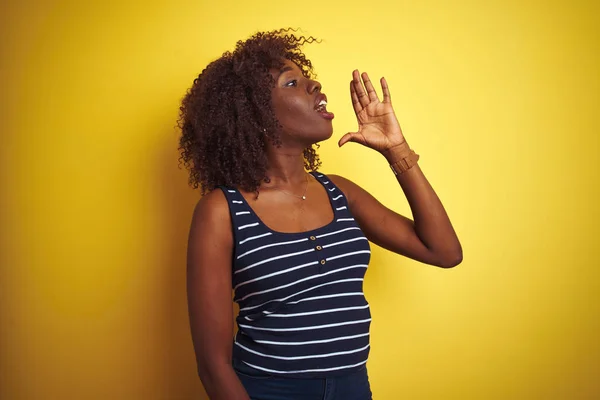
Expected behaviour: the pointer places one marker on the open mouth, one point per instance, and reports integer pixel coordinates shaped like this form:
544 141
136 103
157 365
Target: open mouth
321 106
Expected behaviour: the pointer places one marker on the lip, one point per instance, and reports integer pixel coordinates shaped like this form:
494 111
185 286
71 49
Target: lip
320 96
327 115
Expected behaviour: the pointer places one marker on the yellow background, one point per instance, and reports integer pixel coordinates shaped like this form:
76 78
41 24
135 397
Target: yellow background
501 99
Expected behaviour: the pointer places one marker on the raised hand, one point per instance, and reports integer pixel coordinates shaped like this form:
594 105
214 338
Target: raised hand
378 127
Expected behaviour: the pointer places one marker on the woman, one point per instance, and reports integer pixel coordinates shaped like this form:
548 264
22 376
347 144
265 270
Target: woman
293 245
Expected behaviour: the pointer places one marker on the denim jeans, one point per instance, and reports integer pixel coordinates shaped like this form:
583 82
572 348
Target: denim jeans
353 386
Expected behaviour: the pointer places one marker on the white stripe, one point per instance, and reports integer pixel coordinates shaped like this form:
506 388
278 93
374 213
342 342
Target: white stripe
275 273
247 226
320 176
237 202
332 189
299 281
345 219
326 182
306 370
302 291
306 328
313 341
344 241
336 232
274 258
254 237
271 245
325 297
335 198
242 212
264 312
331 310
341 208
339 353
231 191
349 254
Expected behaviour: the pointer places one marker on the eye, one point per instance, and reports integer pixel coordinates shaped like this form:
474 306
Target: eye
293 82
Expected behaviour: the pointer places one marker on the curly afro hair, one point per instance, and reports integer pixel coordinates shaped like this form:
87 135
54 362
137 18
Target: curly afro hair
226 117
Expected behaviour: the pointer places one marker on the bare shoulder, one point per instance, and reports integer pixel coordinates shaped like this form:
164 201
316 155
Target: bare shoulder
213 201
339 180
211 214
365 207
350 189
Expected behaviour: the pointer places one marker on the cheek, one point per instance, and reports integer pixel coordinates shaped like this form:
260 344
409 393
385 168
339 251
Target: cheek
289 109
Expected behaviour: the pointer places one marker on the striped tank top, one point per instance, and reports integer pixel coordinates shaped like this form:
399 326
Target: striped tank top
303 312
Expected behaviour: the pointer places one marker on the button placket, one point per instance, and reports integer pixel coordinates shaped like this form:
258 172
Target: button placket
318 248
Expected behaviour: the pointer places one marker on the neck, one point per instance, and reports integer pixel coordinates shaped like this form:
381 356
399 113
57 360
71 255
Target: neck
286 167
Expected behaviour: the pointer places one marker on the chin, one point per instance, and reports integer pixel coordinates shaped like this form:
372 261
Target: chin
321 137
312 135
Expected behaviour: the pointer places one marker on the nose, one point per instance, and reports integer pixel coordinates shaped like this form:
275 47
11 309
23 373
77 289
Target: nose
314 86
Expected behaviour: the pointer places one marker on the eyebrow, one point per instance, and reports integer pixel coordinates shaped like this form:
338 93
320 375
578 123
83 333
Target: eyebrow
285 68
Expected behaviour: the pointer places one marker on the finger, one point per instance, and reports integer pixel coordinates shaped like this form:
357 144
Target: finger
348 137
387 97
363 98
370 89
355 102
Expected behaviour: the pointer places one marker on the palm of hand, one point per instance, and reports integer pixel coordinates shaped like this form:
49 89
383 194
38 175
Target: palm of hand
378 127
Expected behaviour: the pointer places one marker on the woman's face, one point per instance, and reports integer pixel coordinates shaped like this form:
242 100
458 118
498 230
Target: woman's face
299 106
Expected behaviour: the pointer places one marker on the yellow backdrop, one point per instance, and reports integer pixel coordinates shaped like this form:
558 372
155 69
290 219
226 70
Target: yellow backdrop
501 101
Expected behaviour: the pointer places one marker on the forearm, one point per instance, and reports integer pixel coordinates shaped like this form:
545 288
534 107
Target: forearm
221 382
431 222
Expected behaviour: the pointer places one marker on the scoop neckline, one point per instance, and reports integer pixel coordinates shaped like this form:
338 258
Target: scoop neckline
303 233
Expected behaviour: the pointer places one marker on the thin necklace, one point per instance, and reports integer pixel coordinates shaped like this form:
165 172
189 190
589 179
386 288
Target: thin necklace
303 197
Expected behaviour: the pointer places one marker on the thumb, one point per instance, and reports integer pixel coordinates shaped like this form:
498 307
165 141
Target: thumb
348 137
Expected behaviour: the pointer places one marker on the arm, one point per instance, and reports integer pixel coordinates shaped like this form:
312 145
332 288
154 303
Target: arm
430 238
209 297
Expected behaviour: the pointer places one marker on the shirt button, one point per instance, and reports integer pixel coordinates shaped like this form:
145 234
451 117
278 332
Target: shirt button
312 238
319 248
323 262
